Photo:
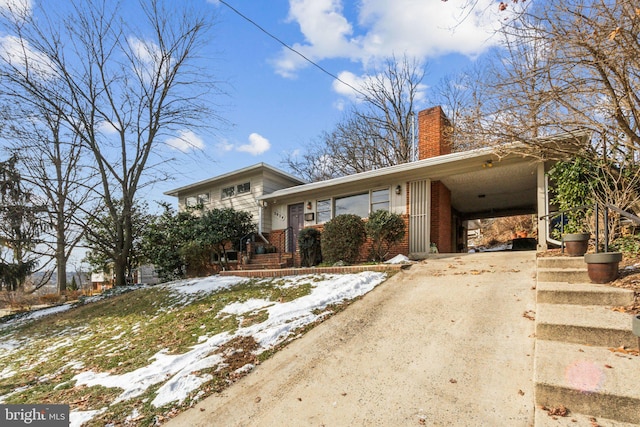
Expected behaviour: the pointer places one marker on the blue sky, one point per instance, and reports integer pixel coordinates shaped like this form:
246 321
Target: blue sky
277 102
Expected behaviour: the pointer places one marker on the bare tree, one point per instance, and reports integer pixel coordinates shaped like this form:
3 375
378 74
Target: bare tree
119 90
377 130
570 68
51 159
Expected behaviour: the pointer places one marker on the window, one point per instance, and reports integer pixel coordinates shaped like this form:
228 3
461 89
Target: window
191 201
323 211
244 188
357 204
203 199
228 192
380 200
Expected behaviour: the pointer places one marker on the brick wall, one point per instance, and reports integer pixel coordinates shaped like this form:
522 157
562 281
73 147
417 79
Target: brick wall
434 133
441 216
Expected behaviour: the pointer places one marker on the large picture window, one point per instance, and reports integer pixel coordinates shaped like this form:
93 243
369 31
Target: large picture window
358 204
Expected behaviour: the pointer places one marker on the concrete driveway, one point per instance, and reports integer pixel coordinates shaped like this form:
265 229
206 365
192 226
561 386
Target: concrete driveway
448 342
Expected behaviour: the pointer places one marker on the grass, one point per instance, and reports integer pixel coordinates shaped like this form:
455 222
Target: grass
120 334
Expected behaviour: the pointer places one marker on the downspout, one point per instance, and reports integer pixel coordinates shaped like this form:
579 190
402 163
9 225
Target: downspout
260 206
547 219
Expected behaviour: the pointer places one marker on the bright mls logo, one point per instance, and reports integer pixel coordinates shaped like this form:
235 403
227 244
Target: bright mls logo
34 415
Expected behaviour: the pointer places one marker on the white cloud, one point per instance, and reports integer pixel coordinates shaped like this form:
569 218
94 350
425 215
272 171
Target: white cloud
362 81
107 128
150 56
224 145
258 144
19 54
417 28
18 9
185 141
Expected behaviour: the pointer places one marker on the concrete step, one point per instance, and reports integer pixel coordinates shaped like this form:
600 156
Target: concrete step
561 262
593 381
568 275
586 325
582 294
574 419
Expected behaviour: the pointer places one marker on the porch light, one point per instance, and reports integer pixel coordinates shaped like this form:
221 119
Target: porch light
309 205
398 189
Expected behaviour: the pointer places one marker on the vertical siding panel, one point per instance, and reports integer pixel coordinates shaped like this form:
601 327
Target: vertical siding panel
419 217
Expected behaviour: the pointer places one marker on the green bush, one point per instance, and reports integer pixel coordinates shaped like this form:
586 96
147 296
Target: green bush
384 229
628 245
310 248
342 238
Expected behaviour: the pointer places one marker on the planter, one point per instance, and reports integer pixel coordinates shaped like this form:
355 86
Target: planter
576 244
603 267
261 250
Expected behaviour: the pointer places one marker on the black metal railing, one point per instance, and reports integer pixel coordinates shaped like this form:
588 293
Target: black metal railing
245 239
596 207
286 242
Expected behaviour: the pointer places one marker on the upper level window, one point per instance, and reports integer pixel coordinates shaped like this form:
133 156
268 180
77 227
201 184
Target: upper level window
203 198
228 192
358 204
323 210
191 201
380 200
244 188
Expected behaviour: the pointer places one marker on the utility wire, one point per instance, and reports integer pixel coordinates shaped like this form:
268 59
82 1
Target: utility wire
290 48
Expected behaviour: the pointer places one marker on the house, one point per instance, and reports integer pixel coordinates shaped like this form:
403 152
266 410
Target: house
437 195
240 190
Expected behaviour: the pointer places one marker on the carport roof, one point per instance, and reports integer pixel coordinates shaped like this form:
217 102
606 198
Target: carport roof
481 183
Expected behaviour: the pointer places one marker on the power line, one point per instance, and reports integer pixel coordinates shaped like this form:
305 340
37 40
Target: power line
251 21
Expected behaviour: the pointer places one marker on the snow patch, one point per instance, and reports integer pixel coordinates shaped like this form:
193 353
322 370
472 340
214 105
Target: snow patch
179 373
398 259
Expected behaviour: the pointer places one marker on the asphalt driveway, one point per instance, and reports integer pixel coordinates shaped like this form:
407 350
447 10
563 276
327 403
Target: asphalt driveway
448 342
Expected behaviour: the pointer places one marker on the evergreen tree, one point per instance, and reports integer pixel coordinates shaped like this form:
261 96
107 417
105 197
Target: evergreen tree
20 227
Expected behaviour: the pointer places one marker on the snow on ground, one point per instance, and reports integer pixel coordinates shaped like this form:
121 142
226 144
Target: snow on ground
283 319
32 315
399 259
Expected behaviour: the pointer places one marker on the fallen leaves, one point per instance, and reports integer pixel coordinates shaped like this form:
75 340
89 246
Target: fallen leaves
556 411
453 381
623 350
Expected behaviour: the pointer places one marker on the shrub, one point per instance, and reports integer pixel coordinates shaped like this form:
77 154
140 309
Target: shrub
384 228
342 238
310 247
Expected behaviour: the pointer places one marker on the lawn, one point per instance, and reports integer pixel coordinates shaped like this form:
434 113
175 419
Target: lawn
140 355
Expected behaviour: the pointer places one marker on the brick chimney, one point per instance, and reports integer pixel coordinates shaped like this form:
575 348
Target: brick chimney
433 133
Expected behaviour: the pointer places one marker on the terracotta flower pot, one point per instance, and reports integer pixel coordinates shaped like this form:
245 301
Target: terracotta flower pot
603 267
576 244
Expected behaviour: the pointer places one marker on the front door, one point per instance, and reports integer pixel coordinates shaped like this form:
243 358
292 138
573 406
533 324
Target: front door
296 222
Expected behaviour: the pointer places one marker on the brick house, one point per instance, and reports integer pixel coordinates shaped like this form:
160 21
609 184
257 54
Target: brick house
437 195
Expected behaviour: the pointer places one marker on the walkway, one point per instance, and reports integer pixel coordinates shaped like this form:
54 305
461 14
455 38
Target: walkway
448 342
